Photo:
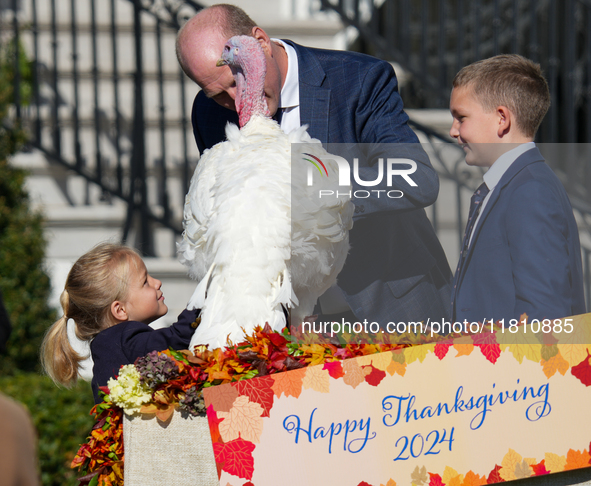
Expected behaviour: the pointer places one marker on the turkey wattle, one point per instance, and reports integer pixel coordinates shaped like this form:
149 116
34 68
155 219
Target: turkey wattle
256 238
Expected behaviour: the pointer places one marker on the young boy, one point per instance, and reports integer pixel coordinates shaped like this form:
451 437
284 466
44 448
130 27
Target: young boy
521 251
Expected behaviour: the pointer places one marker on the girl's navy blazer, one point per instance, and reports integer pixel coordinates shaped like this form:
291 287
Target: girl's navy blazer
123 343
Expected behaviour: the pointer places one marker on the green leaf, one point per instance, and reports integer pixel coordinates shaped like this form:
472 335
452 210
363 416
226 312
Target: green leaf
178 356
248 375
94 481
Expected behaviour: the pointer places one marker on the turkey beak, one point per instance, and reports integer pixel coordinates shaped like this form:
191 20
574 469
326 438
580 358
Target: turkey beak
221 62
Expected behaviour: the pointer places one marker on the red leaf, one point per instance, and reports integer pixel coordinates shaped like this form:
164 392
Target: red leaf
490 351
248 484
235 457
540 469
494 476
258 391
214 422
335 369
363 483
583 371
487 342
277 339
436 478
375 377
484 338
441 349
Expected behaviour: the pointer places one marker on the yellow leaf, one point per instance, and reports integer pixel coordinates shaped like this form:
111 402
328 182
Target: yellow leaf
381 361
511 459
456 481
573 353
317 379
243 420
448 474
554 462
396 367
464 346
554 364
522 344
580 332
364 360
413 353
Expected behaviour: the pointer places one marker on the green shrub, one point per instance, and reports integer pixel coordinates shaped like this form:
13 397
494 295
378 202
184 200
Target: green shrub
23 282
62 420
25 285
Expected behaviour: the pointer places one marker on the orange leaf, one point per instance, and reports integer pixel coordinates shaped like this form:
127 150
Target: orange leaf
164 414
289 382
554 364
473 479
577 459
396 367
464 349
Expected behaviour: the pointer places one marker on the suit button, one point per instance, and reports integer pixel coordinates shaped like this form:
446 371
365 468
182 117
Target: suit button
361 209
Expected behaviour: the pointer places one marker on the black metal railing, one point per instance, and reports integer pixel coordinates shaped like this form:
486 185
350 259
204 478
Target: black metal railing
434 39
89 111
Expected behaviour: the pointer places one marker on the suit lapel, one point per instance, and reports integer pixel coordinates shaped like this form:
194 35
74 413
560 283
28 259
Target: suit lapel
314 98
525 159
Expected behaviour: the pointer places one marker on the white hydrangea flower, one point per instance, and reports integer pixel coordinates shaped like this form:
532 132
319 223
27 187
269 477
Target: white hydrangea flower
127 391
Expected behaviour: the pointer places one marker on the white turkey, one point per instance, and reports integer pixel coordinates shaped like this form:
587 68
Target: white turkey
255 238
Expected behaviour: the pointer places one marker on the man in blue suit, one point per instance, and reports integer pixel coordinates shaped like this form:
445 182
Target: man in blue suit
396 269
521 250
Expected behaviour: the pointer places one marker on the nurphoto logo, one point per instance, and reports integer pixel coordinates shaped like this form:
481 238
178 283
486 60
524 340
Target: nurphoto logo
387 169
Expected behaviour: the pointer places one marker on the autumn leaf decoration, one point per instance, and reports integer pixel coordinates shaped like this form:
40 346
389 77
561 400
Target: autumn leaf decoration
177 379
102 456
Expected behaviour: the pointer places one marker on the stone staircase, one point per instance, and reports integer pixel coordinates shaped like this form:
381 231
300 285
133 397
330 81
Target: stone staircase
77 213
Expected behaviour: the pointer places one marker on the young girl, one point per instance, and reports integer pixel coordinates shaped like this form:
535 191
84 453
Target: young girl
112 299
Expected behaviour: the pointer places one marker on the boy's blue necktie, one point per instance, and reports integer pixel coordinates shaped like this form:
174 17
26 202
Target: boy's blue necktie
475 204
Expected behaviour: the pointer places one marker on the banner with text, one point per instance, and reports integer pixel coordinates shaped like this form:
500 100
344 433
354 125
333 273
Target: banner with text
467 411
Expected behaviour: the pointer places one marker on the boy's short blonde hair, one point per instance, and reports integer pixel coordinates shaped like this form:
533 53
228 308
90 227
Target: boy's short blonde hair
509 80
